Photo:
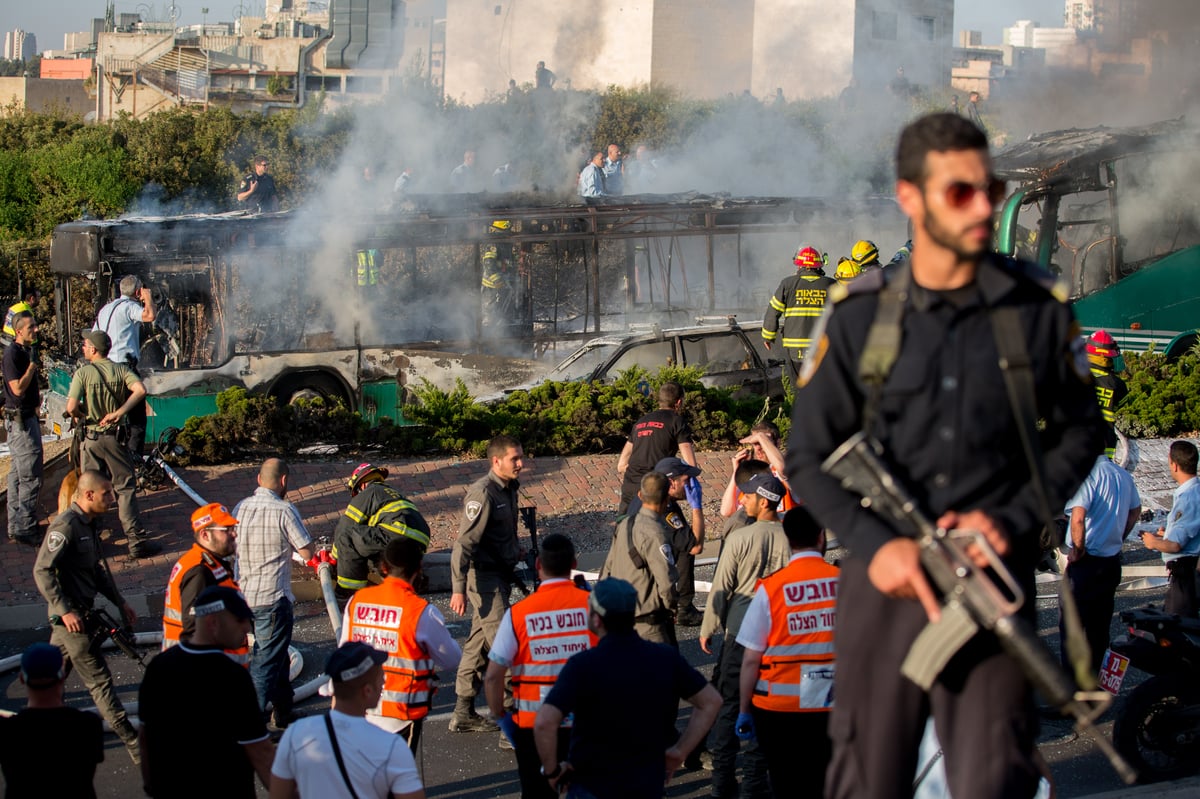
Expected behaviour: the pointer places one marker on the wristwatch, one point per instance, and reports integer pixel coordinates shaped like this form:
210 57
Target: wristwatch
551 774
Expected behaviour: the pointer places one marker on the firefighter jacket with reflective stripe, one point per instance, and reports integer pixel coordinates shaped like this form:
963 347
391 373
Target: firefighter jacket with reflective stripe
799 300
373 517
796 674
1110 392
209 570
550 626
386 617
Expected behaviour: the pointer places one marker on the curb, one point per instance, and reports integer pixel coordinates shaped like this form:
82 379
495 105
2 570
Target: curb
1178 789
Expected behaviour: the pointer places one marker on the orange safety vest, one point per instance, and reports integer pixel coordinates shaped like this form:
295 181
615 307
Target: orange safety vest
173 609
385 616
550 626
796 675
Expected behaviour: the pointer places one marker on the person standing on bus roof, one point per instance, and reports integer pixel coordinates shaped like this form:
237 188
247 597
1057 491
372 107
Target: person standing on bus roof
122 321
258 190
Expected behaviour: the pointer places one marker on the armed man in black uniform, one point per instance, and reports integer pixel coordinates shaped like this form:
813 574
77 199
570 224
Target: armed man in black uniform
482 566
377 513
69 572
913 359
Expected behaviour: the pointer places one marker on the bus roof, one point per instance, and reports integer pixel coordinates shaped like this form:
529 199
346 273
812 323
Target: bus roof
1072 158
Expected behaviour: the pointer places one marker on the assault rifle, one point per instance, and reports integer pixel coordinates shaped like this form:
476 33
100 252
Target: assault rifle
529 520
108 627
971 599
99 624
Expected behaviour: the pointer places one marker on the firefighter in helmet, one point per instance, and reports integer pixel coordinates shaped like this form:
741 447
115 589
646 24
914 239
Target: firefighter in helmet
865 255
847 270
377 513
1102 354
798 301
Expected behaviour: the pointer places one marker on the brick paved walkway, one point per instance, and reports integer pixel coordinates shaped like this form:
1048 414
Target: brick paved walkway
577 495
571 494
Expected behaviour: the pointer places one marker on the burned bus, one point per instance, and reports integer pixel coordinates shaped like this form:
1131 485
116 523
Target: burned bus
1116 213
441 288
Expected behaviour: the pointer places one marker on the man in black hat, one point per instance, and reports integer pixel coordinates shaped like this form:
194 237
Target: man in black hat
181 719
371 763
78 736
101 395
624 695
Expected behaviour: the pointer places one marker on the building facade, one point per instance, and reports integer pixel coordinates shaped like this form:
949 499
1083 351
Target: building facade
703 48
19 45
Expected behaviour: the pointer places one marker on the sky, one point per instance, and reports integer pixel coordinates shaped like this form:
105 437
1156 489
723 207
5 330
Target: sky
50 19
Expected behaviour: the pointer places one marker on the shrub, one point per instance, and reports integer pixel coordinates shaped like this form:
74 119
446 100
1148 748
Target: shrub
1162 396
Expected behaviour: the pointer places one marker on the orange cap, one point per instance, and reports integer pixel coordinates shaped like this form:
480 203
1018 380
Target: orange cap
210 515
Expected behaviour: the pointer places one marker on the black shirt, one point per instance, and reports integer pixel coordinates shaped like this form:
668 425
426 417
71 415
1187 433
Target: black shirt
625 695
51 751
944 420
265 197
198 708
655 436
16 363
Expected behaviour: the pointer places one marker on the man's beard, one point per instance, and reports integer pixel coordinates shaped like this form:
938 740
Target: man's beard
943 236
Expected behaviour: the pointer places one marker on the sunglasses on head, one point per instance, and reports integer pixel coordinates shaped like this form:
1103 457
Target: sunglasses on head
960 194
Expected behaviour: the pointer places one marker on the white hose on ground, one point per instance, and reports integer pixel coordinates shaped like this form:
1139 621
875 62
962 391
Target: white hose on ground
325 572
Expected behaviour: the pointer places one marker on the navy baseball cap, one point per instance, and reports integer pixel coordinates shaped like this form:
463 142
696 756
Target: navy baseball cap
42 666
675 467
613 596
353 659
216 598
766 485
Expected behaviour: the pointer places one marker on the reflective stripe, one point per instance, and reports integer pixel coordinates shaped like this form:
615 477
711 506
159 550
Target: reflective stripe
793 313
401 529
797 343
536 670
346 582
391 507
172 614
777 305
768 335
403 698
425 666
528 706
354 514
800 650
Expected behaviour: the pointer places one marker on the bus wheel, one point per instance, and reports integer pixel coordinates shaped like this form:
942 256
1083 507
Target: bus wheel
309 387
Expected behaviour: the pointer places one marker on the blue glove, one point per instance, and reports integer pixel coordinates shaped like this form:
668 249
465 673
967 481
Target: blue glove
695 495
745 727
508 727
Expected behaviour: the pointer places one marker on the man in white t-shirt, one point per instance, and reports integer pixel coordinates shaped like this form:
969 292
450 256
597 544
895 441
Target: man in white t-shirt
341 752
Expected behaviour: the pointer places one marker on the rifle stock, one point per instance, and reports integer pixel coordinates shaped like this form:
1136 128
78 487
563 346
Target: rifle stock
106 626
972 599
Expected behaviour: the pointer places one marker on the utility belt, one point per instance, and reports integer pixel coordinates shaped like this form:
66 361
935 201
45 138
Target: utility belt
19 414
95 434
505 572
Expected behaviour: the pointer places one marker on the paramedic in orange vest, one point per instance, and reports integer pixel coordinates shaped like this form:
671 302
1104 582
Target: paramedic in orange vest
209 562
787 670
535 639
393 618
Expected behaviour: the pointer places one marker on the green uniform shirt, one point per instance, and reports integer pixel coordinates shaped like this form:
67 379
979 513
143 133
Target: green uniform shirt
68 571
102 387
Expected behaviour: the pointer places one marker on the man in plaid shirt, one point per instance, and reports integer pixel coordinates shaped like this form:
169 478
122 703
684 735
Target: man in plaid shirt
269 528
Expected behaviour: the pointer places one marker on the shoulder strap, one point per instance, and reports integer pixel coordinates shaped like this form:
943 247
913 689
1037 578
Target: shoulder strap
884 339
1018 381
337 754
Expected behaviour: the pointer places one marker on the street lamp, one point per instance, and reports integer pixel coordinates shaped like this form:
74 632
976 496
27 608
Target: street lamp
203 19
